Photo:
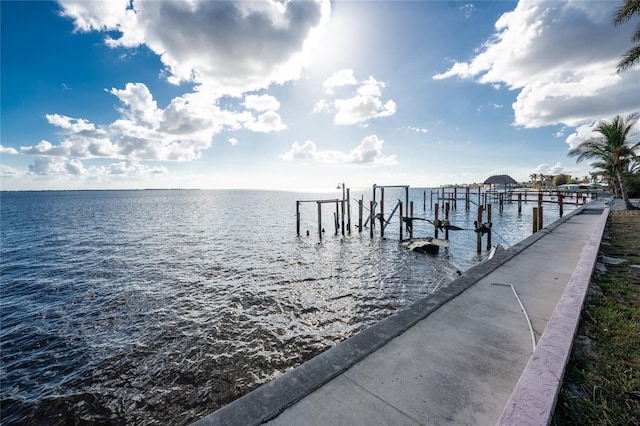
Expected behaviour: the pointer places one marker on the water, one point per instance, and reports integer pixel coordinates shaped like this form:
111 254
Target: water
157 307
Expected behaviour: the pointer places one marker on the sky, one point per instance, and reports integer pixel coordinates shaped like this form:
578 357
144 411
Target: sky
303 95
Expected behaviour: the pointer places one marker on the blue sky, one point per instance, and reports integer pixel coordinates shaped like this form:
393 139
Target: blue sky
303 95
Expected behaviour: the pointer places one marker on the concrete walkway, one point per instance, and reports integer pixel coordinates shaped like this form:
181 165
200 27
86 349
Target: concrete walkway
461 356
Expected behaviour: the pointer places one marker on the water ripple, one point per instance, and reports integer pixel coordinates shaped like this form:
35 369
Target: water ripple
157 307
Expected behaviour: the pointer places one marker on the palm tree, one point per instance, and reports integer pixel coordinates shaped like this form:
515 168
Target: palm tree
613 150
624 14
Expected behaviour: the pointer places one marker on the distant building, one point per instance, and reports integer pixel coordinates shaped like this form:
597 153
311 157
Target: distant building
571 187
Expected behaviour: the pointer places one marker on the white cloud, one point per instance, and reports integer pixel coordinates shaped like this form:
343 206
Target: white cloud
47 166
128 169
233 141
364 105
45 148
75 167
367 153
270 121
562 58
322 106
548 169
305 151
339 78
231 47
418 129
7 150
179 132
581 134
261 103
467 10
6 171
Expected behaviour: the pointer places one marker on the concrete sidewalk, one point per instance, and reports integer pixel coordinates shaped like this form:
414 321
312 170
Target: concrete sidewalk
454 357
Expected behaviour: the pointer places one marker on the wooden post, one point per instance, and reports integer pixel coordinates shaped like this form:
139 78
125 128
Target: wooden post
382 213
371 218
455 198
478 224
535 220
342 217
400 220
360 215
435 220
540 218
349 210
446 217
519 202
467 199
411 215
431 202
298 218
336 217
539 200
424 200
320 219
560 204
501 196
406 197
489 225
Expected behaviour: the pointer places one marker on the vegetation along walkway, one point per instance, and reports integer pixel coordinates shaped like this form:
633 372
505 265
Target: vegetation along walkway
602 381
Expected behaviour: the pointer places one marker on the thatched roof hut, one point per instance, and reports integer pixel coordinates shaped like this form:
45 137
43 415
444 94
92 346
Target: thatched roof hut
500 180
503 180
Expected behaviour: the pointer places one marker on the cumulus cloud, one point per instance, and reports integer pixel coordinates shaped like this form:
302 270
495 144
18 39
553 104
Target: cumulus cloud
180 132
47 166
364 105
308 150
230 47
269 120
74 167
233 141
561 58
580 134
6 171
367 153
128 169
339 78
548 169
7 150
261 103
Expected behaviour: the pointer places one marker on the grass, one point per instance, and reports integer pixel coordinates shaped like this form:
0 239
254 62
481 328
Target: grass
602 381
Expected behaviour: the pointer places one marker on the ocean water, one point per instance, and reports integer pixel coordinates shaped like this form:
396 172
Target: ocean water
157 307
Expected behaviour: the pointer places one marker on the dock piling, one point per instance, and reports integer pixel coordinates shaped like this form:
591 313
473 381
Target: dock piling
489 226
478 224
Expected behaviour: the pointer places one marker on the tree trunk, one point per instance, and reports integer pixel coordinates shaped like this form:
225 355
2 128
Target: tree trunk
623 190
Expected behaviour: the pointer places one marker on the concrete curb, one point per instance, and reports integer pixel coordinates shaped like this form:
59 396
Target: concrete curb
535 395
271 399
